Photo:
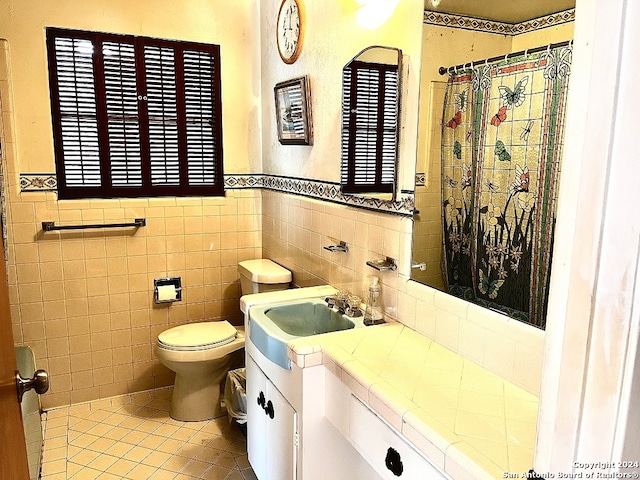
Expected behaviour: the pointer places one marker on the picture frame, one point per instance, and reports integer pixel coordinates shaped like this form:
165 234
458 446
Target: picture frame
293 112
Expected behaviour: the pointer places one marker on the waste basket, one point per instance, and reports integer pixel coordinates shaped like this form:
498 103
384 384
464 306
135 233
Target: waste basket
235 397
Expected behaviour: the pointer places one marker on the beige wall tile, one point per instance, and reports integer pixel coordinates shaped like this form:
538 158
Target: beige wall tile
57 347
57 328
72 250
30 292
33 331
27 253
30 312
78 326
28 273
50 271
55 309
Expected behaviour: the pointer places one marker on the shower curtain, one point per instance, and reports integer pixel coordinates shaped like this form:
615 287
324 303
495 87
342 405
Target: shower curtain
502 135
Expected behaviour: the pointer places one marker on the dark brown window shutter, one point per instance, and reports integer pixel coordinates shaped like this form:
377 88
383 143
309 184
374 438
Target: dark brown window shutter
134 116
369 128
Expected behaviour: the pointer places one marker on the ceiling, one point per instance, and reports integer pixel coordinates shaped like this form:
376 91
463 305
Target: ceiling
507 11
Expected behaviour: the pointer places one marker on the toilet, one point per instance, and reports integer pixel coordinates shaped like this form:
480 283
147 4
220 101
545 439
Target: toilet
201 353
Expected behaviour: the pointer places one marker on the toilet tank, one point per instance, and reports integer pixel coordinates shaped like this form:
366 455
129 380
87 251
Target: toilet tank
262 275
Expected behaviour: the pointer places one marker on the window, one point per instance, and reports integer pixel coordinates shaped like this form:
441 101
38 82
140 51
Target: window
134 116
369 127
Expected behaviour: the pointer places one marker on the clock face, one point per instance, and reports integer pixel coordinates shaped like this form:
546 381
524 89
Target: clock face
289 31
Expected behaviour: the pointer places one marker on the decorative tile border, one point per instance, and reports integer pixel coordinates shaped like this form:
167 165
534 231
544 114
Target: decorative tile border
420 179
38 182
232 181
330 192
543 22
489 26
318 189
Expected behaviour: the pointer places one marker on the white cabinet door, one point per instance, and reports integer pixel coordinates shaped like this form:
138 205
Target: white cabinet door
281 436
256 420
271 428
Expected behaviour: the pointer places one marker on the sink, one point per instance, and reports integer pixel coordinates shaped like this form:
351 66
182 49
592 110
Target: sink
307 318
272 326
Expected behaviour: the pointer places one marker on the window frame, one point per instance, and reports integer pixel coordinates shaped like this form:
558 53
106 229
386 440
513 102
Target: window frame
147 189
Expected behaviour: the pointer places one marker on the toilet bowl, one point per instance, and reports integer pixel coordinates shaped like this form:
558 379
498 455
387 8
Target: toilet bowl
202 353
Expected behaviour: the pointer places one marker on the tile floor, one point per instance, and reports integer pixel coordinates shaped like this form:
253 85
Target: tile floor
133 437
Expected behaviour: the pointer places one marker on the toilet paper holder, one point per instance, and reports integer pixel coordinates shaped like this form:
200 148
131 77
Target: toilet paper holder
160 284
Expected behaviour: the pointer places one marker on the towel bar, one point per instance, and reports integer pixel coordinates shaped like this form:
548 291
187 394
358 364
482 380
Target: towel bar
50 226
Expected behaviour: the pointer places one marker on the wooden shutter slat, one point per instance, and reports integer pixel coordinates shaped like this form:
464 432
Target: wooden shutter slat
198 86
123 125
163 111
77 110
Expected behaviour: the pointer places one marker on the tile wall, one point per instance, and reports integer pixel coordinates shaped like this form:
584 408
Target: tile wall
296 229
427 244
84 301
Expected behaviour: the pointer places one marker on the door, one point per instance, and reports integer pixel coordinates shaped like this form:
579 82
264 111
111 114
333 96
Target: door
256 419
271 428
282 436
13 450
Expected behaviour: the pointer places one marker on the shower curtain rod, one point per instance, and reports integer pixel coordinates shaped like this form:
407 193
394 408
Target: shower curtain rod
444 70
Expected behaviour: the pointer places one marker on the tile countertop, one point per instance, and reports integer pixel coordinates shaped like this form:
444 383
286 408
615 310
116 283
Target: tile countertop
471 423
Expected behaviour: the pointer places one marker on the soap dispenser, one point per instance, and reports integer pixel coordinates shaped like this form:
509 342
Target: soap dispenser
373 307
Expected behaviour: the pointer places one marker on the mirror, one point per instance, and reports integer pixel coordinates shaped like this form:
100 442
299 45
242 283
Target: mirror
483 198
370 113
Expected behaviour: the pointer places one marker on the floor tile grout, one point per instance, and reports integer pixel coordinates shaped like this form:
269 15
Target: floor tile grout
133 437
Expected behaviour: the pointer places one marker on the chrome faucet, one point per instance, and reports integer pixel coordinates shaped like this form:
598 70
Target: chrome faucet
334 302
345 303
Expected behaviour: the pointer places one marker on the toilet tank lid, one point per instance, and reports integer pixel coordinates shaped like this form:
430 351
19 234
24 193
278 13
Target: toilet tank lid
264 271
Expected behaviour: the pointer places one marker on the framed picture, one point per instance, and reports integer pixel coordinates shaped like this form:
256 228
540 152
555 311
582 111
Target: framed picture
293 112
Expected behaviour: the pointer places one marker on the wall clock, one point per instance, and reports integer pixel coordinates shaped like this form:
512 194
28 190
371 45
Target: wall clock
289 30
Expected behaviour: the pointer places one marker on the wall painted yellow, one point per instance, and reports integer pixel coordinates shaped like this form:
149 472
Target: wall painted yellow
332 37
542 37
23 22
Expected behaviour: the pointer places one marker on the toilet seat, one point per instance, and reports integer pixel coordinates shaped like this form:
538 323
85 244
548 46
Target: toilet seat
197 336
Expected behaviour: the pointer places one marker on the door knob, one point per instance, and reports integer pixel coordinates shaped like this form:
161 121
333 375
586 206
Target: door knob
39 382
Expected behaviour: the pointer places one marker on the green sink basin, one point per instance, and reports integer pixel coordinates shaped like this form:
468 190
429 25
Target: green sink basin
304 319
271 327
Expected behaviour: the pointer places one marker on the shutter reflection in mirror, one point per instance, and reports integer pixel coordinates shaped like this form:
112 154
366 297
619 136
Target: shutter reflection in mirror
369 127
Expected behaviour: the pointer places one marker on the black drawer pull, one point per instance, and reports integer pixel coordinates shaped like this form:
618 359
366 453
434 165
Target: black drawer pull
269 409
394 462
261 399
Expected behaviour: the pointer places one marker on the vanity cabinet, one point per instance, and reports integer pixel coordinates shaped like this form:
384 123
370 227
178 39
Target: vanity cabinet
299 442
272 434
385 450
375 441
